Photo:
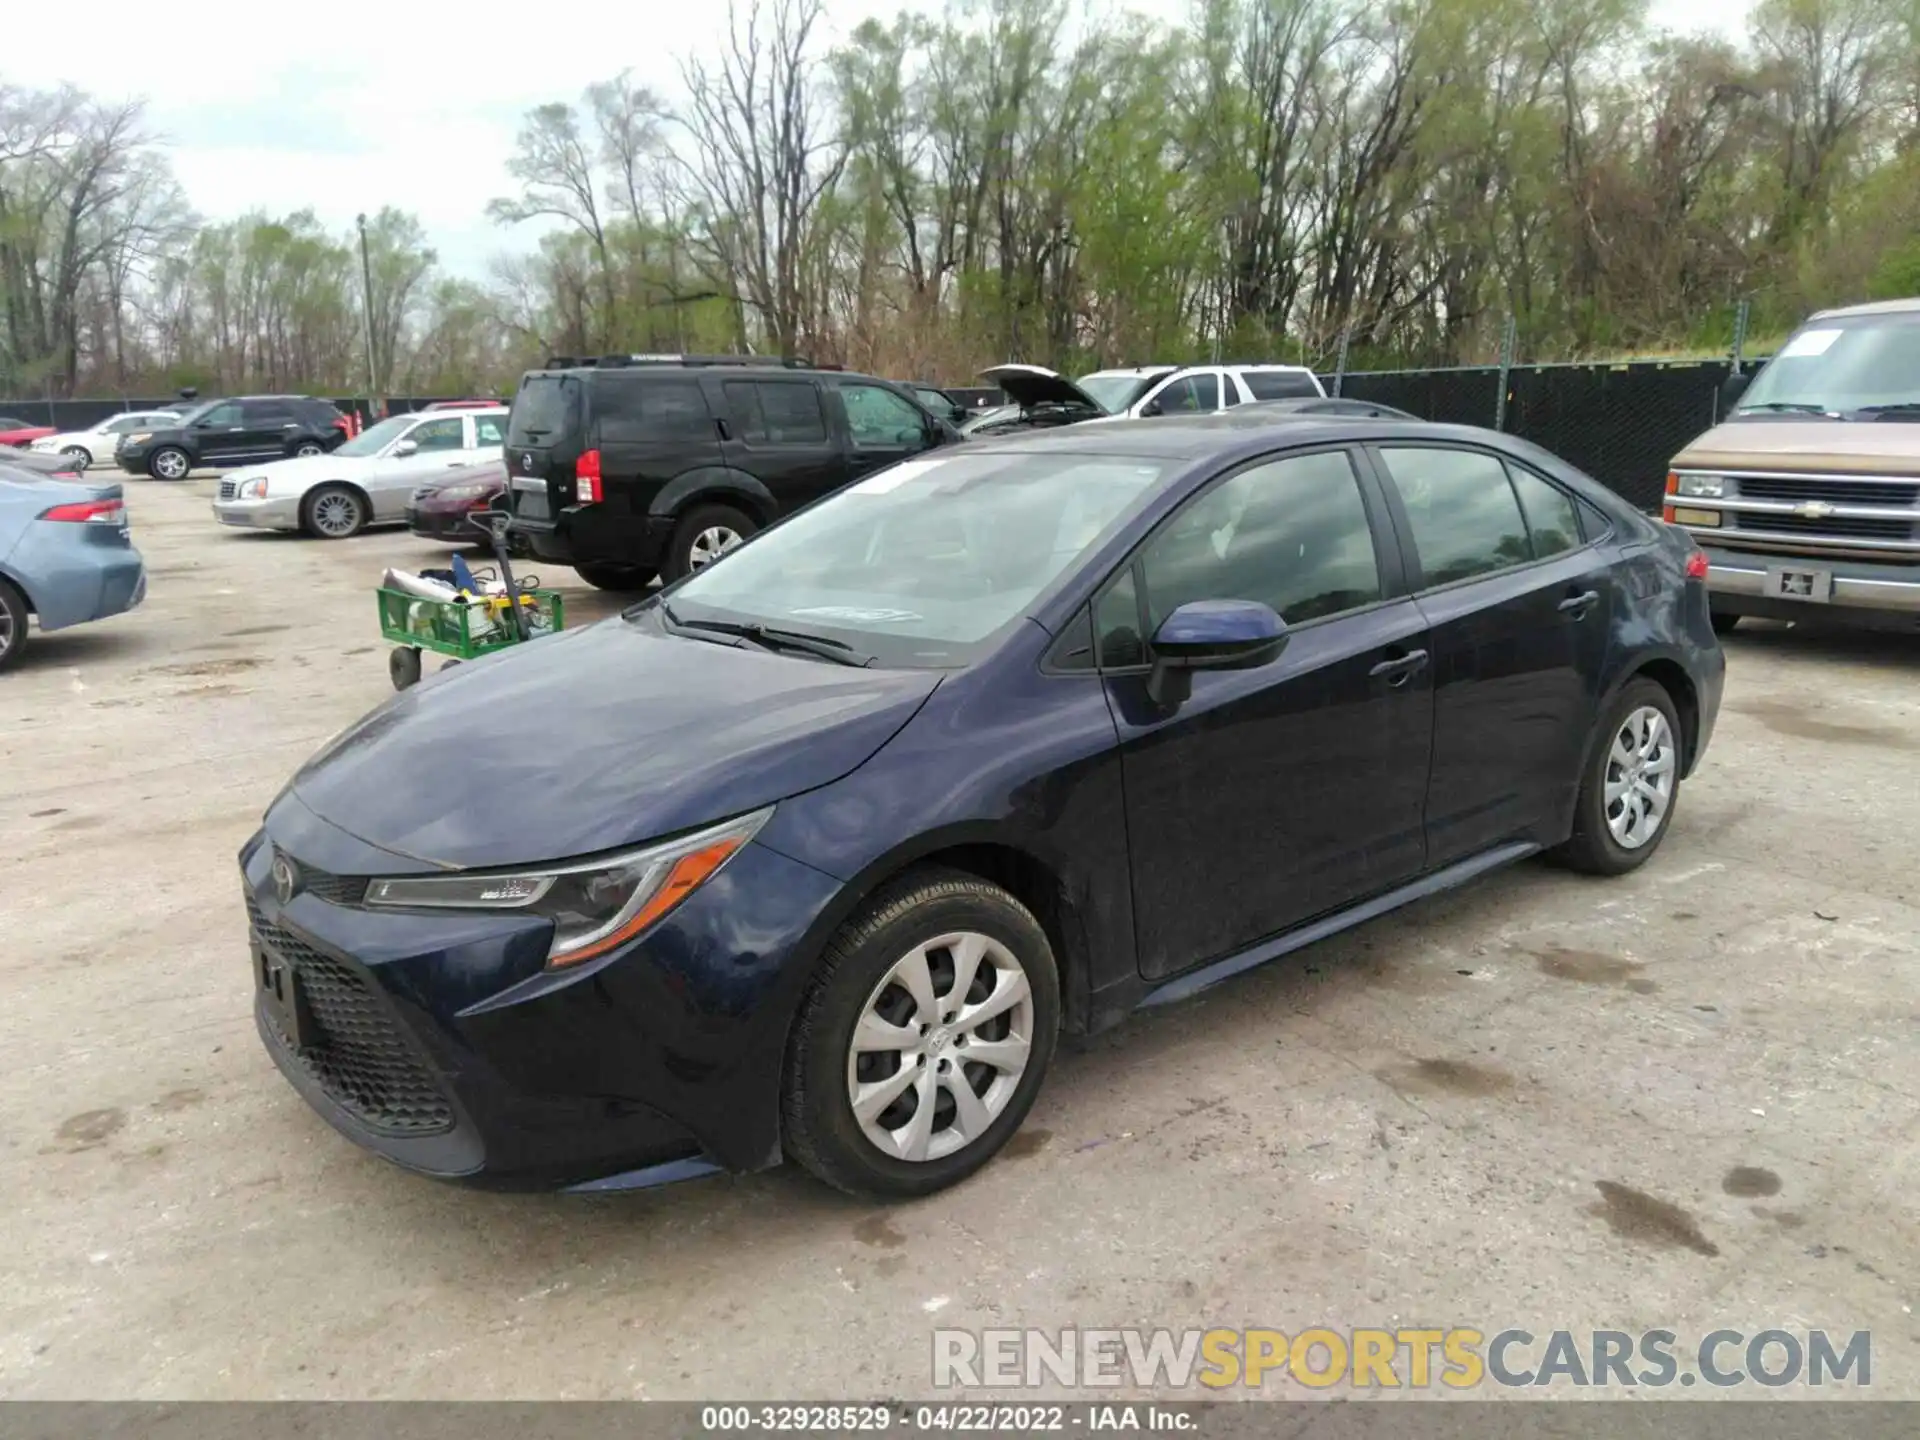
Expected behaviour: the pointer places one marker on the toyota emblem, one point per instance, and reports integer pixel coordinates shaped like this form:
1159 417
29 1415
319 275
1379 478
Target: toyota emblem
285 878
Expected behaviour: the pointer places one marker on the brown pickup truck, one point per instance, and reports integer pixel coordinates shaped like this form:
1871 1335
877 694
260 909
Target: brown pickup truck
1807 497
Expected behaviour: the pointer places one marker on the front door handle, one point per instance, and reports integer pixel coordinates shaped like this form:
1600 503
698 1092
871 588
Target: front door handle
1401 668
1577 606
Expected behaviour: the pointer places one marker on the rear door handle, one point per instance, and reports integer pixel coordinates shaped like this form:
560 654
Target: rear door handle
1578 605
721 425
1400 669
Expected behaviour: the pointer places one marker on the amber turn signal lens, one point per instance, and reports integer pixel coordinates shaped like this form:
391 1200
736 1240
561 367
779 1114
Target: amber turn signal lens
689 873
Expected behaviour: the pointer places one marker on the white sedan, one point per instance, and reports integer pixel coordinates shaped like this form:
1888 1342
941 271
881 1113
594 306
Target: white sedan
367 481
95 445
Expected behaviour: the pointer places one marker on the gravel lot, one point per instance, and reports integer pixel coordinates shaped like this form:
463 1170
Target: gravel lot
1686 1099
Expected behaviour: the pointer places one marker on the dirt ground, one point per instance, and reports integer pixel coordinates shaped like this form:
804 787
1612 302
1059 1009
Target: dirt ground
1688 1099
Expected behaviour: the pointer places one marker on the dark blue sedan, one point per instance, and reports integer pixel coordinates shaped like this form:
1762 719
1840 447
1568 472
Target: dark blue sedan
816 853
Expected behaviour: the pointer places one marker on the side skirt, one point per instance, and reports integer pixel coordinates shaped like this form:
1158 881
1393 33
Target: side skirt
1459 873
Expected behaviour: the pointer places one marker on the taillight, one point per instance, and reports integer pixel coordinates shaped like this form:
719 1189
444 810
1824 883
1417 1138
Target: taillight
586 478
89 512
1697 565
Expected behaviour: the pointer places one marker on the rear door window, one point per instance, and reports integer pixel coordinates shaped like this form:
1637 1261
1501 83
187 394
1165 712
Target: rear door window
544 411
1465 518
489 430
776 412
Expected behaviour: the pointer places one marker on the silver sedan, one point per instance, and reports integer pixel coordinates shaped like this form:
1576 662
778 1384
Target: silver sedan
367 481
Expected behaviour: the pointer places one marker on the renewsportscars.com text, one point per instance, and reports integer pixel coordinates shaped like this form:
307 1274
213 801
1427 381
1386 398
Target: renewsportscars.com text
1458 1358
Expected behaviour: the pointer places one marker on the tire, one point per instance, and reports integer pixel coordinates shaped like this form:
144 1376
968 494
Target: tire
78 453
1723 621
333 512
306 449
1598 845
13 624
618 578
704 534
857 975
403 667
169 463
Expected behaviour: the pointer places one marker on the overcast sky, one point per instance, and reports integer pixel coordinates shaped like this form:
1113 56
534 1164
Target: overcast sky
263 110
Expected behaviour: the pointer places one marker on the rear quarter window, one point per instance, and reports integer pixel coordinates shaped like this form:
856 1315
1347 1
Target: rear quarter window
1278 384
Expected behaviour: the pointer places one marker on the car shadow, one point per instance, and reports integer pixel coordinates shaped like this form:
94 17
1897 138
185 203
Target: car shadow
1883 649
81 645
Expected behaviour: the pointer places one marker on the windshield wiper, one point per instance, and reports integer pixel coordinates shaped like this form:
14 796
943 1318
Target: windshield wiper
1898 411
1776 406
769 637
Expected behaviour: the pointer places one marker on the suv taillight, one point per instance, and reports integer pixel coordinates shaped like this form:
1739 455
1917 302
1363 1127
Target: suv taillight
1697 565
89 512
586 478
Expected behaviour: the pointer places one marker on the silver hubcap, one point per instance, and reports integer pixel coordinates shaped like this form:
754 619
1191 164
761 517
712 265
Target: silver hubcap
76 453
6 630
710 544
171 463
940 1046
1640 773
308 450
336 514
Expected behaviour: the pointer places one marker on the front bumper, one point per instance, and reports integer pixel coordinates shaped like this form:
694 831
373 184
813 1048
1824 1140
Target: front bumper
441 1042
272 513
1862 592
451 526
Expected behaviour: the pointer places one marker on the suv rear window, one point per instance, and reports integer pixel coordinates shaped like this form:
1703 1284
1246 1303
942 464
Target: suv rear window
637 410
543 411
1277 384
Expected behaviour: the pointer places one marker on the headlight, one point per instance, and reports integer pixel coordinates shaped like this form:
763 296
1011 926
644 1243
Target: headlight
254 489
41 445
138 438
595 906
1704 487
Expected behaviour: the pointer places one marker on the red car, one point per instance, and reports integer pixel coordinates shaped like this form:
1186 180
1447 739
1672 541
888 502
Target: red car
19 434
439 511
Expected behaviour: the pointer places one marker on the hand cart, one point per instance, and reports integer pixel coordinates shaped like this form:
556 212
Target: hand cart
464 630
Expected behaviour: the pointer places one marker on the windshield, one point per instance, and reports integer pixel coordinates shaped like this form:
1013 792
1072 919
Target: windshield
375 438
1116 390
918 563
1842 365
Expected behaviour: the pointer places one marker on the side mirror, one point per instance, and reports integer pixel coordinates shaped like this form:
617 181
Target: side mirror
1154 407
406 448
1211 635
956 414
1732 388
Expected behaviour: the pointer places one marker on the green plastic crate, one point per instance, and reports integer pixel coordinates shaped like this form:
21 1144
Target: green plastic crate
448 627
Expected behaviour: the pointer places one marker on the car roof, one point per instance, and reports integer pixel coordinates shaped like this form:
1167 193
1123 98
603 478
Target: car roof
1871 307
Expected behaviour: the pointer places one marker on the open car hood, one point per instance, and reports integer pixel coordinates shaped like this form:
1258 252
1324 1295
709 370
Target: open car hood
1032 385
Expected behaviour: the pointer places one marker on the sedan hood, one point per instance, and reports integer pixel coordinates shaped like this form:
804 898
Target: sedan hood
308 469
1031 385
1834 447
596 739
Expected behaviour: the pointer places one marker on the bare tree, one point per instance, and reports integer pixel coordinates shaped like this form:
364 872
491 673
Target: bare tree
555 168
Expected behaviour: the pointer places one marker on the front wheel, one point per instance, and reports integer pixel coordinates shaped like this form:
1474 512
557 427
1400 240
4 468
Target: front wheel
618 578
13 624
1627 797
169 462
334 512
705 534
78 454
923 1039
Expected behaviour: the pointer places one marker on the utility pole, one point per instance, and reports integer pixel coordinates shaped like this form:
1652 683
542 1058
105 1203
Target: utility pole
366 310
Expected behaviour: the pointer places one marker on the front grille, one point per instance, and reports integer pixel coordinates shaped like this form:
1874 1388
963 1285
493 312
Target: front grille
1831 527
1834 492
228 488
361 1058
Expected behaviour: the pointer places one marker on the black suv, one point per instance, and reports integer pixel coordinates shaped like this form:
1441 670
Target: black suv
632 466
242 431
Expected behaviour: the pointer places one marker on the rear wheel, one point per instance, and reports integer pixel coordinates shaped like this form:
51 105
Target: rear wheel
1723 621
333 512
13 624
1627 798
308 448
169 462
705 534
923 1039
604 576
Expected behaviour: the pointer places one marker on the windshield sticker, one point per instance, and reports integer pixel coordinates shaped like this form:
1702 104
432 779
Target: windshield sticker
1809 342
861 615
896 476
